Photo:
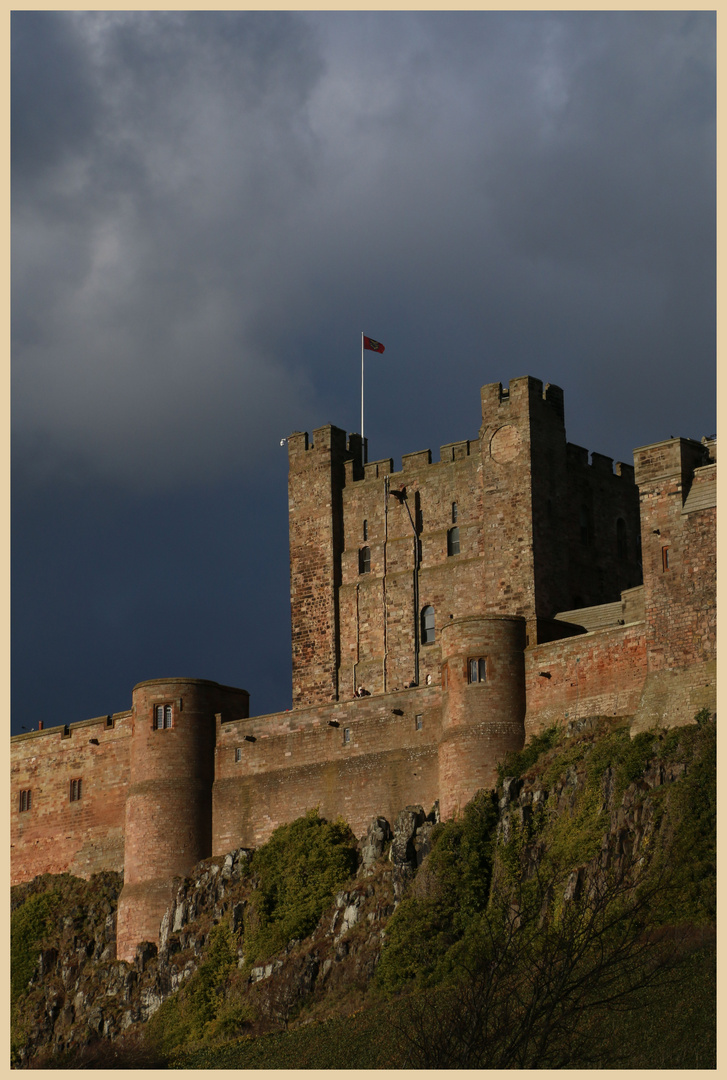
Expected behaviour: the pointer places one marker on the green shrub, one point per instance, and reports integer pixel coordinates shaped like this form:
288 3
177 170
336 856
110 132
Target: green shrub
459 869
298 871
28 927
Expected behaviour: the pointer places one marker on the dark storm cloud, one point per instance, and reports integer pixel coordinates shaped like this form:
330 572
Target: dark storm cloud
209 207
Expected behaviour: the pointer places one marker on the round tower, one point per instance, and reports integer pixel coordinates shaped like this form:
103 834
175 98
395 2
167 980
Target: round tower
483 703
168 822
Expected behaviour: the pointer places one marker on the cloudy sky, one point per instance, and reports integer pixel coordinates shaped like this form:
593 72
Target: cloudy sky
209 208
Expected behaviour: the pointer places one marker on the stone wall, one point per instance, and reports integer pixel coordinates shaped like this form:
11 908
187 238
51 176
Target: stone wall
56 834
356 759
601 673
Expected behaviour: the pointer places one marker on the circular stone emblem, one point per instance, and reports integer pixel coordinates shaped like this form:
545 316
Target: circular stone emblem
505 444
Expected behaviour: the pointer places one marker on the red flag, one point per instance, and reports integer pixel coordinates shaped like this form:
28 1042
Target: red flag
375 346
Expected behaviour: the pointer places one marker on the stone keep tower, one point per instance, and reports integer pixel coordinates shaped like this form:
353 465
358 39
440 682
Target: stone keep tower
168 821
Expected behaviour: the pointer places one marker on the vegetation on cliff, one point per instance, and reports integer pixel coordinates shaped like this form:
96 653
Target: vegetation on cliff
564 921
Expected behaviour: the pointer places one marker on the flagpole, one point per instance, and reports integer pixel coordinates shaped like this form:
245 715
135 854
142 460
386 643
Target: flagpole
363 455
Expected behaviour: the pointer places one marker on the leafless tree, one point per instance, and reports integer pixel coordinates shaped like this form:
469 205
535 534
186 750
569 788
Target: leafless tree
532 977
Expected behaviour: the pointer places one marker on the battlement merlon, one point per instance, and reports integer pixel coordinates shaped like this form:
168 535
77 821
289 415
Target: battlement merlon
671 458
525 394
328 441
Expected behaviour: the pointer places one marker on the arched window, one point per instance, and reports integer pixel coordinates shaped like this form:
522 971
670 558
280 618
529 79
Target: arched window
453 541
428 625
364 560
621 545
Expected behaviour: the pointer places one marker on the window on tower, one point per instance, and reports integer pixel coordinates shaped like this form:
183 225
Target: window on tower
428 625
162 717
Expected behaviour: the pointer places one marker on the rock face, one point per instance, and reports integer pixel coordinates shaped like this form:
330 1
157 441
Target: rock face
80 992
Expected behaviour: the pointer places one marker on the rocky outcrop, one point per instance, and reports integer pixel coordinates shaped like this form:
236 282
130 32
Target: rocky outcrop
631 820
80 992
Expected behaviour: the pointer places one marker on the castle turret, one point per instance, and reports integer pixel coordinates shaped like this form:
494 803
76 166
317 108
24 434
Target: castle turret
168 821
483 705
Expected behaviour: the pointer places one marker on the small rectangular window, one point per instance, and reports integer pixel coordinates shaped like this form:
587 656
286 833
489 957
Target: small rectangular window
364 560
665 558
419 721
346 735
76 790
162 717
453 541
25 800
238 753
455 513
365 529
477 670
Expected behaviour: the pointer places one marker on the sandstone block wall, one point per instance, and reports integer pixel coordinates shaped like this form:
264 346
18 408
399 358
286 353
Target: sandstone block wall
271 769
601 673
56 834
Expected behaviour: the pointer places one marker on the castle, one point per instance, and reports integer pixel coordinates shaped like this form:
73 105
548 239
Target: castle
441 615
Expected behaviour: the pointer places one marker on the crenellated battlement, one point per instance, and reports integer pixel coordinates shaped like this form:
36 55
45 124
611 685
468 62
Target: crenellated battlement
66 731
578 457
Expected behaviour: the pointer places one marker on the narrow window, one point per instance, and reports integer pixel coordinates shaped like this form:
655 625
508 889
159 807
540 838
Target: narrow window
364 560
75 790
162 717
477 669
365 529
621 545
427 625
419 520
586 529
346 735
455 513
419 721
238 753
665 558
453 541
24 802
